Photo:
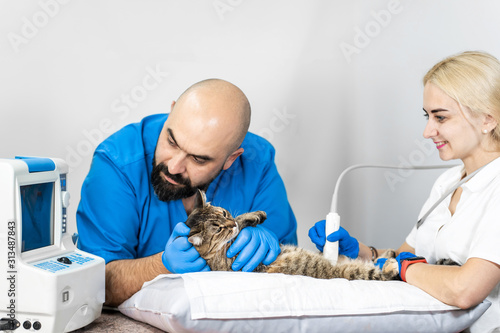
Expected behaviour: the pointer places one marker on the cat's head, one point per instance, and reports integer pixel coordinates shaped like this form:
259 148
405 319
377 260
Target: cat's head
211 227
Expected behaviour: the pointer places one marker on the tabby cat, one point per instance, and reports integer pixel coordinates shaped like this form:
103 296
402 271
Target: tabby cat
213 230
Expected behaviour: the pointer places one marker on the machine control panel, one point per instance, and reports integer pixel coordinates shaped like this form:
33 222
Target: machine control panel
63 263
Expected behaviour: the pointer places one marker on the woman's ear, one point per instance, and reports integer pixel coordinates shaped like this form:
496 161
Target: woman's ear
489 123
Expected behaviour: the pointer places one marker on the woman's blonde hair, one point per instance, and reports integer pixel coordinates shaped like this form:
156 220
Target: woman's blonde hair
472 79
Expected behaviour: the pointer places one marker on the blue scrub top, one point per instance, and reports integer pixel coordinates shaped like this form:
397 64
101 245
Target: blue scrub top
120 217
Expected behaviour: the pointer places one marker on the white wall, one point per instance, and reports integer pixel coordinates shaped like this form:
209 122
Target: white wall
331 83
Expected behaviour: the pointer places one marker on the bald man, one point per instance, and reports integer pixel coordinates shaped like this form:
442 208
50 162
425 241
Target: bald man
141 185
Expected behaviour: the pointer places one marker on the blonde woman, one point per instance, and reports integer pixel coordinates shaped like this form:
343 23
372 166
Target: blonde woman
462 104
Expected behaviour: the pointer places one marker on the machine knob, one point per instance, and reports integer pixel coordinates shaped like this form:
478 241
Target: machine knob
37 325
64 260
65 199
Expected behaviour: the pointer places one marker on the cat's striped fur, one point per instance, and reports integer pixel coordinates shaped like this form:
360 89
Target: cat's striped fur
213 229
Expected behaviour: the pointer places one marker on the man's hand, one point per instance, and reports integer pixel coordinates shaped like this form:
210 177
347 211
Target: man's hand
254 245
180 256
348 245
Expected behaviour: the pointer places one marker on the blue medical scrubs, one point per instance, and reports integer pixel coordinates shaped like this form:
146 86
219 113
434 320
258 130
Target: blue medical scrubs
120 217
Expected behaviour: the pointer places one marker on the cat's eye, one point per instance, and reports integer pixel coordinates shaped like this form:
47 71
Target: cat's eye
224 213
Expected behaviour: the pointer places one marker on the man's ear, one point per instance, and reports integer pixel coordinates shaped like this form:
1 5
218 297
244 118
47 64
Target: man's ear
230 160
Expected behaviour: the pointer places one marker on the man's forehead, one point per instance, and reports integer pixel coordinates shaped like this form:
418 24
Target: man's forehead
193 143
205 124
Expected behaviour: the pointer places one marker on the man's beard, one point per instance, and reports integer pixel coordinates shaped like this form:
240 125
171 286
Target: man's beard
167 191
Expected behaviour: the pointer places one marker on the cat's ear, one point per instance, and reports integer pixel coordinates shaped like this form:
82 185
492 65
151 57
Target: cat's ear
196 240
200 199
199 202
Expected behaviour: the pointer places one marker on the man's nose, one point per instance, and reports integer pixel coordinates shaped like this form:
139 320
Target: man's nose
177 164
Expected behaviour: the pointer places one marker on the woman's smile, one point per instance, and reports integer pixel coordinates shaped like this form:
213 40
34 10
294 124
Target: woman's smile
440 144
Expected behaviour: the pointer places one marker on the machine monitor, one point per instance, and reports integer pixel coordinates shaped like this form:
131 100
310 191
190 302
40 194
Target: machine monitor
37 211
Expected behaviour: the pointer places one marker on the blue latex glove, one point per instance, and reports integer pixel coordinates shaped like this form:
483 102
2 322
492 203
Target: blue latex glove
380 262
317 234
348 246
255 245
180 256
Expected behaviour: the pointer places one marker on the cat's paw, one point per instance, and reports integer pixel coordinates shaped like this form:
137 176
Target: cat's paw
391 269
390 253
256 217
251 219
261 215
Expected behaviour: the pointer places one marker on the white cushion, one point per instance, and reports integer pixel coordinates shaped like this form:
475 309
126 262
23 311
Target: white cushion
257 302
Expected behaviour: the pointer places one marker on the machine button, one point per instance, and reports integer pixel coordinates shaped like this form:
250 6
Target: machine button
65 296
27 324
64 260
37 325
65 199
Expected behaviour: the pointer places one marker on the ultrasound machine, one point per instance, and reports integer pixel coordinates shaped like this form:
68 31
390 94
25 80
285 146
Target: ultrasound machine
48 285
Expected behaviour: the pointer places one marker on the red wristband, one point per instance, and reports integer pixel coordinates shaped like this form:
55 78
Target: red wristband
407 262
